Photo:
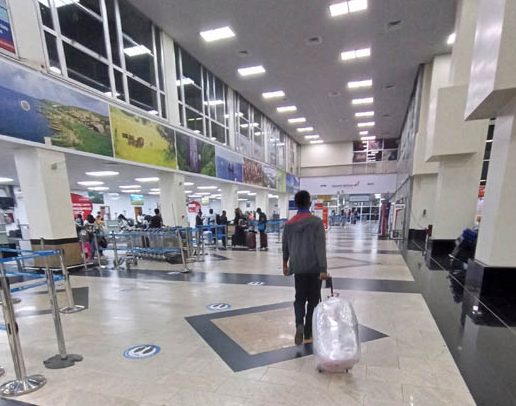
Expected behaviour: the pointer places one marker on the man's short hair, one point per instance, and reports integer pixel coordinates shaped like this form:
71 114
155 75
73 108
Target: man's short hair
302 199
156 211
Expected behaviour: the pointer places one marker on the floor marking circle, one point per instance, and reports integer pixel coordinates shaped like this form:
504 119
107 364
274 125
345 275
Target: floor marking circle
141 351
256 283
219 306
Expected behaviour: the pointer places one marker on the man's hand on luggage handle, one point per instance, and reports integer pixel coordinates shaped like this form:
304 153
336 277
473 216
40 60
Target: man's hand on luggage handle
324 275
285 268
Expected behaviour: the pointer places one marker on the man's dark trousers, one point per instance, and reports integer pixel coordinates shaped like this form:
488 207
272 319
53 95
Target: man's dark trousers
308 289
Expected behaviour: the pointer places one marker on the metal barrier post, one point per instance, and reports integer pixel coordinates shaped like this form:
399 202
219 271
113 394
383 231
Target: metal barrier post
22 384
183 259
197 234
116 264
96 241
83 253
72 307
61 360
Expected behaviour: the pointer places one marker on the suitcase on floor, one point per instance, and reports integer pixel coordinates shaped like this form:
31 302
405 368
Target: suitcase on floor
336 344
263 241
250 239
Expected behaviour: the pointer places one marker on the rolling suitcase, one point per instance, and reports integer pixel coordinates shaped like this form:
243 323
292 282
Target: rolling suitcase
336 342
250 239
263 241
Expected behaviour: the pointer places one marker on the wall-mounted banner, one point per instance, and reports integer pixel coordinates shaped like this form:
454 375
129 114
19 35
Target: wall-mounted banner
269 179
81 205
230 165
139 139
38 109
136 200
6 32
292 183
253 172
281 181
354 184
96 197
194 155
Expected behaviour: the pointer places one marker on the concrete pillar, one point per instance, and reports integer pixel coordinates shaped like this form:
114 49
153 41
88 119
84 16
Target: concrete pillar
262 201
283 205
46 190
172 199
170 77
229 200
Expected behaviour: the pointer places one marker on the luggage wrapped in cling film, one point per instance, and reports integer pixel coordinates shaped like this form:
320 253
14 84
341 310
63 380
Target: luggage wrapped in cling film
335 333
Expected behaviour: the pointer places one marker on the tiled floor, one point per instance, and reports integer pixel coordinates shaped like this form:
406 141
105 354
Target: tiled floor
410 365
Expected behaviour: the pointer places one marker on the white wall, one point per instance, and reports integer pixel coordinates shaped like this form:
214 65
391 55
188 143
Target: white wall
353 184
327 154
423 199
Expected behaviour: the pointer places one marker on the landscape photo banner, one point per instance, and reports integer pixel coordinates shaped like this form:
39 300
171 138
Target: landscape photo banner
36 108
139 139
292 183
195 156
281 181
269 178
253 173
230 165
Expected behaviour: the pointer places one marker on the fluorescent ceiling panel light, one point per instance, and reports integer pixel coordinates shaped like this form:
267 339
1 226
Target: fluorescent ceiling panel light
153 112
367 124
297 120
355 53
154 193
311 137
186 81
155 189
365 114
242 200
214 103
451 39
243 192
316 142
194 196
98 188
131 191
188 183
147 180
252 194
101 174
378 195
365 100
273 95
114 194
360 84
90 183
7 180
207 187
271 196
368 138
188 191
346 7
217 34
130 187
251 70
203 193
305 129
364 132
286 109
137 50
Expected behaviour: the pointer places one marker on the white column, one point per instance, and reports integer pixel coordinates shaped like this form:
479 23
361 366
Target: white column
262 201
170 77
46 191
172 199
495 246
229 200
283 205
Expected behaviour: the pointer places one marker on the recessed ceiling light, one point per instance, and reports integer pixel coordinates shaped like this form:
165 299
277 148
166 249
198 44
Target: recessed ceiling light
242 200
98 188
312 137
286 109
147 180
154 193
297 120
203 193
367 124
188 183
243 192
273 95
207 187
130 187
271 196
217 34
360 84
137 50
365 100
305 129
188 191
131 191
365 114
451 39
364 132
6 180
100 174
251 70
355 53
346 7
316 142
369 138
90 183
156 189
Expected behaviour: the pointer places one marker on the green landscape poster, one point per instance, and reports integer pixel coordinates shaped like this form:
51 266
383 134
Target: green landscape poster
195 156
140 139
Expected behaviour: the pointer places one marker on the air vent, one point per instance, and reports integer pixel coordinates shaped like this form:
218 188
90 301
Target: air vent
389 86
313 41
244 53
335 94
393 25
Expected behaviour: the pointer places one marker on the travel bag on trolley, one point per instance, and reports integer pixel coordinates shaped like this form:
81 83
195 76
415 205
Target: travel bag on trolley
336 342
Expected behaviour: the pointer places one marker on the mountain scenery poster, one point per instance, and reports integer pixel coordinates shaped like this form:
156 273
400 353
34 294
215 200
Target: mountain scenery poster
194 155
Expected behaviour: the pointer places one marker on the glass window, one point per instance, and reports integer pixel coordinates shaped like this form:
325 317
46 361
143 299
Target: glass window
85 69
113 32
193 97
46 15
191 70
157 38
53 58
135 25
119 84
81 25
194 121
218 132
142 96
163 106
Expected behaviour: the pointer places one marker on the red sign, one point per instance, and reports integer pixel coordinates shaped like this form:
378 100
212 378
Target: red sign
325 218
194 207
318 206
81 205
481 191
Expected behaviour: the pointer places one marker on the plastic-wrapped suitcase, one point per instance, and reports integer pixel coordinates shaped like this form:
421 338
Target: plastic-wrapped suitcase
263 241
335 333
250 238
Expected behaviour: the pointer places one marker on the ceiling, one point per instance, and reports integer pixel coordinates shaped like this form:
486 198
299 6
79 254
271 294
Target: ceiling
275 33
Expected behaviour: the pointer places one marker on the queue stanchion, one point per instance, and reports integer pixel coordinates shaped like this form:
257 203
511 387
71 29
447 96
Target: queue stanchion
63 359
197 234
72 307
181 249
23 384
97 249
116 263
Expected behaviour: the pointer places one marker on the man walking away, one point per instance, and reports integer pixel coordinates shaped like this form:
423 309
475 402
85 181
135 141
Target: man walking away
304 255
262 227
156 221
223 221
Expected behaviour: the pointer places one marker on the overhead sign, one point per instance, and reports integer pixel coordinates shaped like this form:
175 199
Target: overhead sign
194 207
141 351
81 205
353 184
6 32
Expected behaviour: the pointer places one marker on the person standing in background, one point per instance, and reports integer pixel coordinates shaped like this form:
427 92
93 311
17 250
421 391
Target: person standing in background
262 227
223 222
156 221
